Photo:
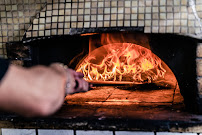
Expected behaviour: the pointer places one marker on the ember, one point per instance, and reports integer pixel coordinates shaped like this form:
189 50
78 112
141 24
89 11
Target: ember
122 62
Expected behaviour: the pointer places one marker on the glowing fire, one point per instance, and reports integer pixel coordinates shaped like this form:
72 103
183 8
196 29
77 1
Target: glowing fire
122 62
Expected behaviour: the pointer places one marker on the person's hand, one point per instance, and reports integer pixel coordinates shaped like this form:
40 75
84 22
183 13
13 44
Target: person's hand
36 91
75 82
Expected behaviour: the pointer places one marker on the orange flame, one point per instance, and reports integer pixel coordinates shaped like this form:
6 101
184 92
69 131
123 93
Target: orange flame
122 62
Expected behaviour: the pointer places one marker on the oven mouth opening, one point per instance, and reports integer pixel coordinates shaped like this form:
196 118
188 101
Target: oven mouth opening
173 50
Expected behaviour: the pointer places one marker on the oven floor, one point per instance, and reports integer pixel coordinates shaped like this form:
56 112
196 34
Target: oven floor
124 95
125 102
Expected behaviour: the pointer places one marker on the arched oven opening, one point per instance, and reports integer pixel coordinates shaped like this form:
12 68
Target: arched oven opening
125 68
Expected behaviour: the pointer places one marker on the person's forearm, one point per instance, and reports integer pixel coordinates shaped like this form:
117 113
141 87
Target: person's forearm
37 91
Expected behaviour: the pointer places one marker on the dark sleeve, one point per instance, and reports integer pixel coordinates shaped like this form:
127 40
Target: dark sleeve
3 67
